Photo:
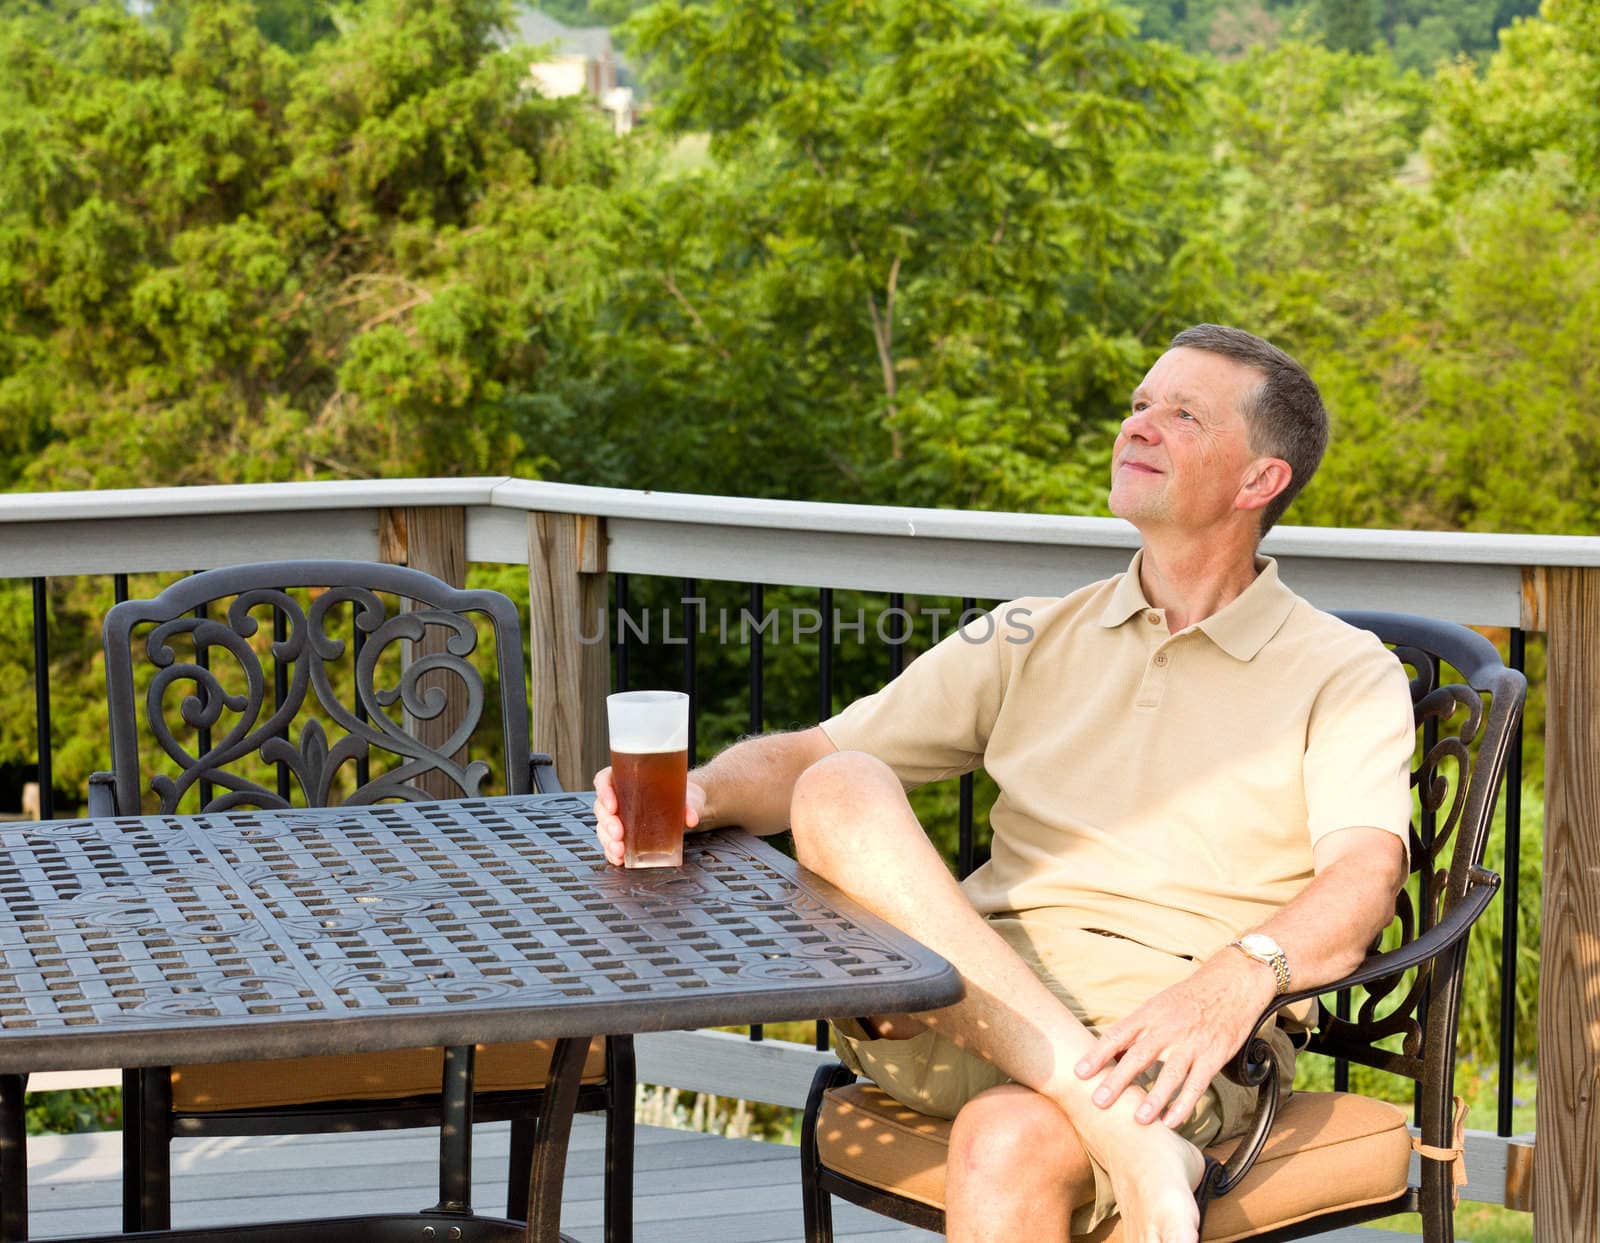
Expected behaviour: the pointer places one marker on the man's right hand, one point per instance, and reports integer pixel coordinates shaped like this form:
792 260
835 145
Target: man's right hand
607 825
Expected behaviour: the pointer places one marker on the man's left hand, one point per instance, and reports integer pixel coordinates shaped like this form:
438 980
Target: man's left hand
1192 1029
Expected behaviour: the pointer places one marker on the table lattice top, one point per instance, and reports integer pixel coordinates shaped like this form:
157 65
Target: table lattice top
281 933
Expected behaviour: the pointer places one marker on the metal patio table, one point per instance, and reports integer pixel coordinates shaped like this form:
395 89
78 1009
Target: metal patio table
270 934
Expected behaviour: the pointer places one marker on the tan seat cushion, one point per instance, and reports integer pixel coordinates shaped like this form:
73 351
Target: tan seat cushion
1327 1151
363 1076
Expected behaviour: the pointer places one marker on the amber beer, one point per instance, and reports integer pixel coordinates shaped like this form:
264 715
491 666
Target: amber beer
650 803
649 770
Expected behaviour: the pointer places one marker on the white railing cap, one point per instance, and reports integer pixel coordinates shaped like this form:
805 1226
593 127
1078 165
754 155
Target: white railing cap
503 492
245 498
1288 541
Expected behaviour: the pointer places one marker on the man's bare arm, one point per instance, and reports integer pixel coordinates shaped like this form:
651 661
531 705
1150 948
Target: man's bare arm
1195 1026
751 784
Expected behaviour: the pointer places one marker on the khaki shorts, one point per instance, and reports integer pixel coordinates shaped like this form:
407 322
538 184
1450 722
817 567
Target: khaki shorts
930 1074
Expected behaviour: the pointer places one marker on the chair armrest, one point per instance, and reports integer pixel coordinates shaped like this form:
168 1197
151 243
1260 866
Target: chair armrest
1253 1066
102 794
542 774
1482 885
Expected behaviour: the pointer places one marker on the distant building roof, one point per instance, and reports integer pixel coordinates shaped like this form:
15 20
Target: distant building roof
533 27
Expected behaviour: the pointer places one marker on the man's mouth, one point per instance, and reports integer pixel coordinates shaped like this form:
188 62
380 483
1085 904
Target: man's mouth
1140 467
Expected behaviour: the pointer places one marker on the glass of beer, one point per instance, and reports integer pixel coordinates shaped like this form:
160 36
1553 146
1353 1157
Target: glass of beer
649 769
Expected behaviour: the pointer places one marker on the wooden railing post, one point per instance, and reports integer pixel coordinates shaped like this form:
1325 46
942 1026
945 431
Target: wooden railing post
433 540
1566 1185
568 642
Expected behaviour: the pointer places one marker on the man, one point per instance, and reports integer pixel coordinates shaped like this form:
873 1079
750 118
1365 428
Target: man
1185 753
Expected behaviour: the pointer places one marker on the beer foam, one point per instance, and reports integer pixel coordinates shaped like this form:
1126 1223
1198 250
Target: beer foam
648 722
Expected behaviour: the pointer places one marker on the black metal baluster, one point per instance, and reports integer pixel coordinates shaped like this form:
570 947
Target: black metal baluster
825 656
119 588
824 706
280 688
1509 899
758 651
899 635
758 707
691 683
41 697
620 642
964 851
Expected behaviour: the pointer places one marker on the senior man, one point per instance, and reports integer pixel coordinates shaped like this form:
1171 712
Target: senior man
1203 798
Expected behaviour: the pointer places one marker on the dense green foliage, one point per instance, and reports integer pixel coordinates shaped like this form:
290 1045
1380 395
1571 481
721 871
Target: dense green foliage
73 1110
237 245
219 262
1420 33
908 251
919 227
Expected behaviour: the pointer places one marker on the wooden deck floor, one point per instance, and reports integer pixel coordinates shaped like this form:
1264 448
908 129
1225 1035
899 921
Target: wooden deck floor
690 1188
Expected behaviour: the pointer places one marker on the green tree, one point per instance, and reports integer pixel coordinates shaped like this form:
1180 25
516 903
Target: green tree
1422 33
1443 297
1348 25
220 262
1313 144
296 24
217 263
1465 378
929 249
1536 99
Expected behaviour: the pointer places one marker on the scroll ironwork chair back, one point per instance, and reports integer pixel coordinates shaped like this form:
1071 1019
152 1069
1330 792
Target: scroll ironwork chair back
1413 988
1410 982
226 692
242 666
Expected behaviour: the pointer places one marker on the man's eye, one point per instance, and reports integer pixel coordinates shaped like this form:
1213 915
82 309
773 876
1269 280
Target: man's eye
1184 414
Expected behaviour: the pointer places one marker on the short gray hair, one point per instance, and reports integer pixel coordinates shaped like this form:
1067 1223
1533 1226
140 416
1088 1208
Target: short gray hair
1284 413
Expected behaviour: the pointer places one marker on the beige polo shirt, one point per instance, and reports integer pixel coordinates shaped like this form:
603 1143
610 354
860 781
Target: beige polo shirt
1166 788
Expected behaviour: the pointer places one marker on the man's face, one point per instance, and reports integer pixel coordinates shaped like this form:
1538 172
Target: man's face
1184 449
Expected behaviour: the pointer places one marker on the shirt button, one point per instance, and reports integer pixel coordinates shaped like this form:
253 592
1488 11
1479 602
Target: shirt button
1161 658
1153 618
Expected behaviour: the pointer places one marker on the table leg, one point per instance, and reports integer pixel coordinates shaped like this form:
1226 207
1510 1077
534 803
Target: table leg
13 1159
455 1132
551 1133
147 1148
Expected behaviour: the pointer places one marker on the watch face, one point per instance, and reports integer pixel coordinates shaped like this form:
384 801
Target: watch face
1259 944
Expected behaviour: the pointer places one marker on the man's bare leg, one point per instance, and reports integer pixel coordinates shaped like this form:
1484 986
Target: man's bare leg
1016 1169
853 825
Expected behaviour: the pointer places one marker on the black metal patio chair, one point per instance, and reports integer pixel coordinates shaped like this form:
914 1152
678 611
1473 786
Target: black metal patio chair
370 663
1322 1160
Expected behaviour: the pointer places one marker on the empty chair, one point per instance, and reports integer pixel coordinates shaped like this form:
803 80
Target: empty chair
315 683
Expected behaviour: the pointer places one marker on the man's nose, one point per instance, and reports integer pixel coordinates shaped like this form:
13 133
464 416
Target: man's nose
1140 426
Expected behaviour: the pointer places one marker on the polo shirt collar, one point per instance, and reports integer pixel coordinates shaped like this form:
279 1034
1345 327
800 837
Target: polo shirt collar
1242 627
1128 597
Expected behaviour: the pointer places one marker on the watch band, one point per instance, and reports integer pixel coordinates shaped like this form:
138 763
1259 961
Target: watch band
1280 968
1276 959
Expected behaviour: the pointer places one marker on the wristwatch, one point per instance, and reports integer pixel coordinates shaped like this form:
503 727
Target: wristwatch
1262 948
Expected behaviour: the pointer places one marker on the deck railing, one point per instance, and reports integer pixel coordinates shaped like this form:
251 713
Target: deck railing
586 548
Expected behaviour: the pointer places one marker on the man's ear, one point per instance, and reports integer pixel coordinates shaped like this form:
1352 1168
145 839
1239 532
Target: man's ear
1265 478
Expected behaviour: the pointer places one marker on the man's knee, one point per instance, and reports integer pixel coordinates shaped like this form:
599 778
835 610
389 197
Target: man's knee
838 788
1013 1134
